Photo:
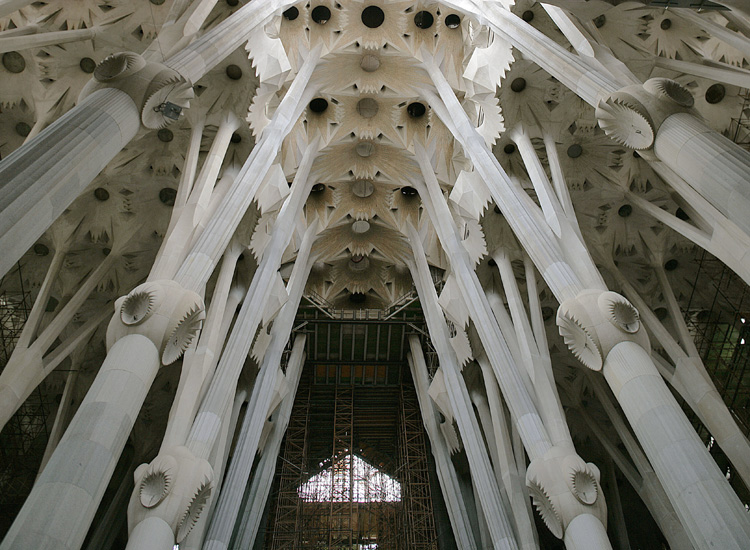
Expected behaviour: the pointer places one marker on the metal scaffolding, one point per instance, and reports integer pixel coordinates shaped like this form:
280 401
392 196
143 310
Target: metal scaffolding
24 437
341 484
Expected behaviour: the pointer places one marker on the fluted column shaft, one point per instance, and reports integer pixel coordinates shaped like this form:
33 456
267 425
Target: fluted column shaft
42 178
263 477
62 504
714 166
230 499
703 499
445 470
488 492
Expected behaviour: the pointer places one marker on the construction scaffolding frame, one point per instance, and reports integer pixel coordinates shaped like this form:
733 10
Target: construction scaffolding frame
24 438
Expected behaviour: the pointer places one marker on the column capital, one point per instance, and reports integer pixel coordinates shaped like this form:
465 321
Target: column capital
175 487
162 311
563 486
632 115
595 321
159 92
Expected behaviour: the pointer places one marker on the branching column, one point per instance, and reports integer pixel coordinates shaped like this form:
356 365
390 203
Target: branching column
603 331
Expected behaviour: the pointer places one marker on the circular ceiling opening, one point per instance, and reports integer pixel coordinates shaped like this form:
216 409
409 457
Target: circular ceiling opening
101 194
625 210
87 65
291 14
715 93
14 62
408 191
318 188
360 226
528 16
234 72
365 148
165 135
600 21
518 85
23 129
424 20
416 109
665 24
321 15
318 105
509 149
40 249
372 17
232 3
575 151
671 265
452 21
367 107
370 63
167 196
363 188
236 138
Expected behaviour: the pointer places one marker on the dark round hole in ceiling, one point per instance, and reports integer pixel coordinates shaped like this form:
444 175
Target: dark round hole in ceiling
232 3
321 15
291 14
625 210
87 65
497 210
357 298
416 109
236 138
408 191
168 196
575 151
424 19
715 93
318 188
106 251
23 129
101 194
452 21
158 2
681 214
636 155
14 62
518 85
372 17
234 72
671 265
492 263
165 135
509 149
528 16
318 105
661 313
600 21
665 24
547 313
40 249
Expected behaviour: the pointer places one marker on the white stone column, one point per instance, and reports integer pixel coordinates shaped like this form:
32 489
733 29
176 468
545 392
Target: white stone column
488 492
201 261
713 165
63 502
39 180
260 486
446 472
230 499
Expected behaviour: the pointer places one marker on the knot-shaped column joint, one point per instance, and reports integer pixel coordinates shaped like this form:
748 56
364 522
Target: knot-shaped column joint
160 93
162 311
